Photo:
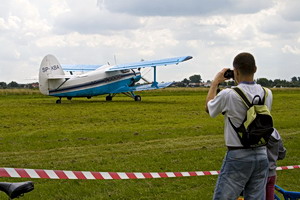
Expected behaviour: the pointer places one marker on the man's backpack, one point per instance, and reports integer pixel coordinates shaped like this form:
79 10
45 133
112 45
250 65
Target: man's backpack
258 123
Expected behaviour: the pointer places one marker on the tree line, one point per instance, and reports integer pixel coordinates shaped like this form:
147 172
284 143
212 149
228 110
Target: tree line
196 81
295 82
192 81
14 84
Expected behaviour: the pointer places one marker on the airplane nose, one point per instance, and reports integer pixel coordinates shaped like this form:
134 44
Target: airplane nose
137 78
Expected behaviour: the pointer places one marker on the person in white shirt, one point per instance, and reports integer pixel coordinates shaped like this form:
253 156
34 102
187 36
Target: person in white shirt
243 169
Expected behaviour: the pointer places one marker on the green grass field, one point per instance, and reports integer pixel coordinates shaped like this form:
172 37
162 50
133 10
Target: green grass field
168 131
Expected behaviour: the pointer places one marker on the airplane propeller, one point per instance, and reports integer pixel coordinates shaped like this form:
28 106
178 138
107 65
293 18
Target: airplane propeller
145 80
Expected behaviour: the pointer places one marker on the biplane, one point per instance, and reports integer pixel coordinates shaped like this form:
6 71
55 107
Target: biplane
98 79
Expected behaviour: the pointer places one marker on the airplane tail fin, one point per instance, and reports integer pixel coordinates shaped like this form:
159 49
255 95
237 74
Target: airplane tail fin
50 67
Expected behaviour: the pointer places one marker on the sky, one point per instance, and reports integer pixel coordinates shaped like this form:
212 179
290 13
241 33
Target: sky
98 31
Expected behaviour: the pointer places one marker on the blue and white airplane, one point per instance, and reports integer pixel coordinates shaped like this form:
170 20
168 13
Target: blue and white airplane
98 79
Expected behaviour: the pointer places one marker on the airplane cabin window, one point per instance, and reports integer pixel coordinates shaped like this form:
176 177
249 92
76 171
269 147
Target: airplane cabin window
125 71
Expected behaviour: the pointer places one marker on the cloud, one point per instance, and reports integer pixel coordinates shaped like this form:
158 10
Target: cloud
213 32
58 7
87 18
290 10
183 7
5 8
276 25
281 20
291 49
94 23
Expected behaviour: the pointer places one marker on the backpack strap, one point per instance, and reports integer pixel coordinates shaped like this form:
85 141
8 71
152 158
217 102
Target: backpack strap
241 129
265 95
248 104
246 100
237 130
243 96
263 100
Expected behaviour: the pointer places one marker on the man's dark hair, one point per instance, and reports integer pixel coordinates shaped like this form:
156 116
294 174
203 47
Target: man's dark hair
245 63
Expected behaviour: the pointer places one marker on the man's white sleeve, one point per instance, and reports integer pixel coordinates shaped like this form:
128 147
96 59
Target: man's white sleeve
217 105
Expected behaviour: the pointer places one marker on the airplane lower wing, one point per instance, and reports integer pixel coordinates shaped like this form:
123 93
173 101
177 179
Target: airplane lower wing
141 87
152 63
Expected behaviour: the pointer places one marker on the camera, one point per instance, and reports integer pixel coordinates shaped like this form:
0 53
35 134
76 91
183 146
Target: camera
229 74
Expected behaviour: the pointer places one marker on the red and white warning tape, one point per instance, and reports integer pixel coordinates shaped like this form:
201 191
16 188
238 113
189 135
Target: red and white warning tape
61 174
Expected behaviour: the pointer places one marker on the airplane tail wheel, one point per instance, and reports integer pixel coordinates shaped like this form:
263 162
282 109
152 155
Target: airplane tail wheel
108 98
137 98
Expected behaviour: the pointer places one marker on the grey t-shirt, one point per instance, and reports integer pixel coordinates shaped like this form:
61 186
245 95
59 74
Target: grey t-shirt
275 150
228 102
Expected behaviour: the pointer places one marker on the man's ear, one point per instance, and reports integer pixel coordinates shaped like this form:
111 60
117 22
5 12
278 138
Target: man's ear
236 71
255 69
236 75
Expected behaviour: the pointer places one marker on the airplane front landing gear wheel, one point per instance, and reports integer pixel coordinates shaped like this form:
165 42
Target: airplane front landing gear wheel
58 101
137 98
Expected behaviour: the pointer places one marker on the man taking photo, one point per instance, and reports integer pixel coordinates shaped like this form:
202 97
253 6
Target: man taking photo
244 168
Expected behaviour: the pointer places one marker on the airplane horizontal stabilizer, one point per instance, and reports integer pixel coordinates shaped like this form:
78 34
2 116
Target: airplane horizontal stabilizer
152 63
142 87
53 77
80 67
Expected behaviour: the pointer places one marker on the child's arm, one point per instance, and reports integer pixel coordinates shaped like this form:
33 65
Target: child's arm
281 150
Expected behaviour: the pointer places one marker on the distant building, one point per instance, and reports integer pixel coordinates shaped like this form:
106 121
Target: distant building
195 84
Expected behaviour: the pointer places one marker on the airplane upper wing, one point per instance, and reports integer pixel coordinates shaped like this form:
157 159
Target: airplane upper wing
80 67
141 87
152 63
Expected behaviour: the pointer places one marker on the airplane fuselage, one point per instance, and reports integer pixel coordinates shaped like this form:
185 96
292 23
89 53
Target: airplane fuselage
95 83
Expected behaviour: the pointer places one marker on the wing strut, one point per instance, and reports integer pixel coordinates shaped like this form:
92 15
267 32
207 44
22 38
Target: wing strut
154 84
